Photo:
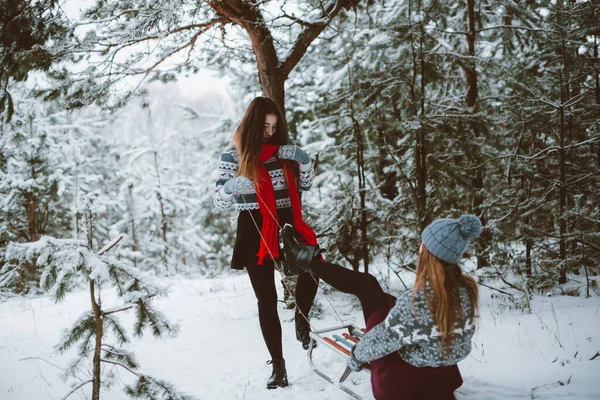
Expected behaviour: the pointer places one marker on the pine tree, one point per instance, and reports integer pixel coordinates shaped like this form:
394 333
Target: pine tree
49 154
555 151
98 334
164 158
32 36
275 41
454 104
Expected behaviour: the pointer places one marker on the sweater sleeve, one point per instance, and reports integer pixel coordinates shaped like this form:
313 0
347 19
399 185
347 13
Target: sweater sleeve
227 170
307 176
400 328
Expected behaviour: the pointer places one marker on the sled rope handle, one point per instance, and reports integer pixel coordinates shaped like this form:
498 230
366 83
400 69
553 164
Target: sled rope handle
289 290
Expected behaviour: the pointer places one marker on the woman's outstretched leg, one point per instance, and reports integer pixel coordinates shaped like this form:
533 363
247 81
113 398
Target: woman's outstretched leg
364 286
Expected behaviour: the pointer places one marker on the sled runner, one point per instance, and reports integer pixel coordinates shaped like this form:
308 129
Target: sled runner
340 343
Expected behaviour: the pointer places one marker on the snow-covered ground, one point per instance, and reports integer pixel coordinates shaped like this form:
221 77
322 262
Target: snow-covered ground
219 352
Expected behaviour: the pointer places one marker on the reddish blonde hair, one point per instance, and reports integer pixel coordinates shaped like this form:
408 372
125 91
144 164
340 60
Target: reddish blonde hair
445 279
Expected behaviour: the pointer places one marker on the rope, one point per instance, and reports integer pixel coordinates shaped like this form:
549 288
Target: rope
278 268
283 274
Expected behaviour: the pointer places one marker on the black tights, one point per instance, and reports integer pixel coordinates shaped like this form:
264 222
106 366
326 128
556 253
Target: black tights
262 278
364 286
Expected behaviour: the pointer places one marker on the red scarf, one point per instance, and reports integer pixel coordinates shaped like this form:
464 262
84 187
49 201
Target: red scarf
265 193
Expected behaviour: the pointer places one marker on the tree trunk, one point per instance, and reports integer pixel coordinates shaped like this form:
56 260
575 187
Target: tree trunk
597 74
96 308
130 205
99 332
421 171
31 200
528 266
508 48
362 191
470 68
420 143
33 235
562 190
273 72
163 217
273 87
471 100
597 89
75 213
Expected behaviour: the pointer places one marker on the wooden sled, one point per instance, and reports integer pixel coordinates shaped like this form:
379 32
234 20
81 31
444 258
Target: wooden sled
340 344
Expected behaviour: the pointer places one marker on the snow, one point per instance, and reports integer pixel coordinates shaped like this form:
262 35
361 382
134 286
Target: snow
219 352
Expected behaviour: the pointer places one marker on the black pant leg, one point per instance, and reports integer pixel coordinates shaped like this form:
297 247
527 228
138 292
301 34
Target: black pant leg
306 290
263 282
364 286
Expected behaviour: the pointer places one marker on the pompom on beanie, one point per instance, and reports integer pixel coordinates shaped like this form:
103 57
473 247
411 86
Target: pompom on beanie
447 239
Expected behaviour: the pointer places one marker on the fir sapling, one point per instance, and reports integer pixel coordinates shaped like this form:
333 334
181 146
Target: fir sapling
98 335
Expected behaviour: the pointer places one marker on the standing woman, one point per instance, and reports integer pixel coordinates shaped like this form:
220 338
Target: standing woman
262 173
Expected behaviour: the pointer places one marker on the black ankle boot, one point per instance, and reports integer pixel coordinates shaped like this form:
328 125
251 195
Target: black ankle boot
279 376
297 255
303 331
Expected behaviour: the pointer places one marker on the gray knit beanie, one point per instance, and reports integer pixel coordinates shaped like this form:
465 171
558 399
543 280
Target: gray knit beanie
447 239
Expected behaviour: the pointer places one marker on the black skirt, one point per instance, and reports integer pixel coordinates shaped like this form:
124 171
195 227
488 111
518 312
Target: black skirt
247 240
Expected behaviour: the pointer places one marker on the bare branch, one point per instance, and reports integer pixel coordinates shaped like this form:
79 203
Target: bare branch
82 384
249 17
489 28
120 365
311 32
164 58
105 21
582 178
493 288
125 307
297 20
556 148
574 100
41 359
111 244
202 27
116 310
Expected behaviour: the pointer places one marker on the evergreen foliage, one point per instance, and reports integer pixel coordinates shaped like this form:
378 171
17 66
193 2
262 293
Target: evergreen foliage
32 37
516 151
415 110
47 157
99 336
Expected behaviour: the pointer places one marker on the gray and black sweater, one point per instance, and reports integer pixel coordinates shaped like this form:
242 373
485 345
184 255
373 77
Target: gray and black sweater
228 167
411 331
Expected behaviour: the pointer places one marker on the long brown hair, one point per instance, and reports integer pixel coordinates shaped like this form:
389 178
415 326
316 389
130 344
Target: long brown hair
445 279
249 134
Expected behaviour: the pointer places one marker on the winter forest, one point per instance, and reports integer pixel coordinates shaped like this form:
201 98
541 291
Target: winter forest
115 278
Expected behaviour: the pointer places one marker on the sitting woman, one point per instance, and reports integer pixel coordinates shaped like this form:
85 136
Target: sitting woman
414 342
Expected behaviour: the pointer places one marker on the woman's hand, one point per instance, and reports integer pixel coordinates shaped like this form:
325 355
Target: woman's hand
293 152
238 185
353 363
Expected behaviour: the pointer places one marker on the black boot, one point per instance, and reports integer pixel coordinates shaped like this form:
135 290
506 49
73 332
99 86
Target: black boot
279 376
303 331
297 254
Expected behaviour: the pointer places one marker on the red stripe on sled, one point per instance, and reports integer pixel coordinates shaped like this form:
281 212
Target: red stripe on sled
351 338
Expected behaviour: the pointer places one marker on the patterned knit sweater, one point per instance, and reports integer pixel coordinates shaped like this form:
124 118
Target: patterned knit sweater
228 168
412 332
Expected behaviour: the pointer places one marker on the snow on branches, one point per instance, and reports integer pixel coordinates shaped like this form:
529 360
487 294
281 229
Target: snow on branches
99 336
